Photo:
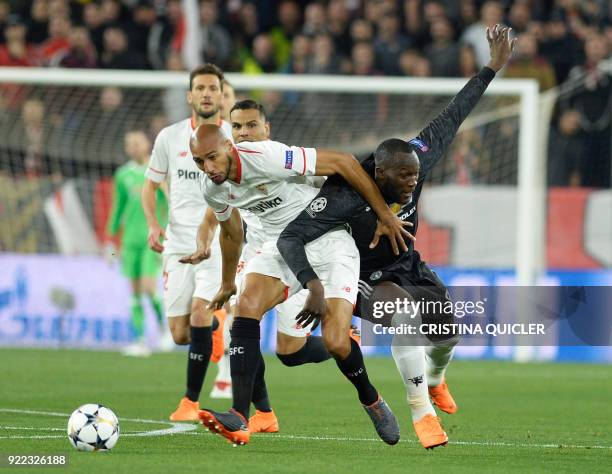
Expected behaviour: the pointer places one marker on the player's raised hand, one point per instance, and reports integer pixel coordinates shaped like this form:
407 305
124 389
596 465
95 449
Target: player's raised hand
500 45
394 230
315 307
154 239
196 257
222 297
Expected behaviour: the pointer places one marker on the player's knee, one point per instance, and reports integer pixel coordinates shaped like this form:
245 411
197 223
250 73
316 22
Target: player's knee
180 335
338 345
249 304
200 316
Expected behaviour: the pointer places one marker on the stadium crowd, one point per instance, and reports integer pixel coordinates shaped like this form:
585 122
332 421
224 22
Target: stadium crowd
560 43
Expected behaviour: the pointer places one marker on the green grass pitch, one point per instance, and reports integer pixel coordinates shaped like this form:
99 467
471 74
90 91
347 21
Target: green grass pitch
512 417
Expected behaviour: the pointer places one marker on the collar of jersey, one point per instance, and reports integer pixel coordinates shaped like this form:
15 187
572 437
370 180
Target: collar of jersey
238 165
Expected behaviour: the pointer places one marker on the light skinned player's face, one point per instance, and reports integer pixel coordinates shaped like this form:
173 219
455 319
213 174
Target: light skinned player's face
137 146
398 182
228 101
214 159
205 95
249 126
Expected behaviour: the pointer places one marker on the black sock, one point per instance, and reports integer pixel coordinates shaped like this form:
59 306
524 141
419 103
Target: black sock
245 355
354 369
260 391
313 351
200 349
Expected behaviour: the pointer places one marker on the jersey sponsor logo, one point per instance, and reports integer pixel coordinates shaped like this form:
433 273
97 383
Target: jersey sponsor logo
407 214
318 205
264 205
182 154
186 174
419 143
376 275
288 159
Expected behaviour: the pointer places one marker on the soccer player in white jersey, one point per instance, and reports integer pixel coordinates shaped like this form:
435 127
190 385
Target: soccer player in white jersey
255 177
187 289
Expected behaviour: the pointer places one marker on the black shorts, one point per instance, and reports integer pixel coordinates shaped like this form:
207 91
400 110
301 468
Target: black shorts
416 278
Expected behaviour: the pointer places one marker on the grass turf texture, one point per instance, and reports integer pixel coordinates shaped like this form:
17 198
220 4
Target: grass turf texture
528 417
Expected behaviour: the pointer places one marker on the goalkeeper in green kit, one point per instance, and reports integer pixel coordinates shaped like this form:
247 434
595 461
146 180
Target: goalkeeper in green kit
138 262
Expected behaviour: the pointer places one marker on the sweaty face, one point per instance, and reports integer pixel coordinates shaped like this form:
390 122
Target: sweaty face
205 95
214 159
249 126
399 181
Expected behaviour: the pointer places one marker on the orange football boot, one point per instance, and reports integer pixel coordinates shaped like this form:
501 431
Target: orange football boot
263 422
218 347
355 334
231 425
430 432
186 411
442 398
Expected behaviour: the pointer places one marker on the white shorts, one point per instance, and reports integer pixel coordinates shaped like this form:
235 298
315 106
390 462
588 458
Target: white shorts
286 313
333 256
182 282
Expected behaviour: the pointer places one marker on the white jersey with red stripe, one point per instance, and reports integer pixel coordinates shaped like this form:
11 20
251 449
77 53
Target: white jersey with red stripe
263 185
171 160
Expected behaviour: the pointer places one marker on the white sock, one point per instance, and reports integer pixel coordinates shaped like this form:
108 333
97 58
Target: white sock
223 365
410 361
438 357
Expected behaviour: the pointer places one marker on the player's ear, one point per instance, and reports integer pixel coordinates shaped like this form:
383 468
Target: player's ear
267 128
189 97
379 173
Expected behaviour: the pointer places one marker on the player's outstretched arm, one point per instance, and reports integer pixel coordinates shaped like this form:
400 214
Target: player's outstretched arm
204 239
149 203
231 244
333 162
433 141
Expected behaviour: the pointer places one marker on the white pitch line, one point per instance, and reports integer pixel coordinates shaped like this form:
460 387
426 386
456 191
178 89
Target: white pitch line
183 428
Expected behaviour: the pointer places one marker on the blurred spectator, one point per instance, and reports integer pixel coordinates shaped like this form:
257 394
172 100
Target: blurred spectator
565 151
491 13
422 67
468 14
289 19
443 52
38 22
58 8
16 52
364 60
82 53
167 35
143 18
216 43
33 129
112 14
262 59
468 66
593 103
407 61
5 11
175 106
93 20
324 59
247 28
300 55
519 16
315 19
561 47
389 43
361 30
526 63
117 54
338 17
58 42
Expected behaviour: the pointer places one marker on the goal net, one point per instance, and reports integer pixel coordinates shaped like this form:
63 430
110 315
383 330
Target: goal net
62 138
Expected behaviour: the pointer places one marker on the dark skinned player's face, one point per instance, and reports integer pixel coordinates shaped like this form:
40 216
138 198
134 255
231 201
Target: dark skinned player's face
398 182
213 159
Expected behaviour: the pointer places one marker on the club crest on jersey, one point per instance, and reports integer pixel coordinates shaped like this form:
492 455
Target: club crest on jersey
419 143
376 275
262 188
289 159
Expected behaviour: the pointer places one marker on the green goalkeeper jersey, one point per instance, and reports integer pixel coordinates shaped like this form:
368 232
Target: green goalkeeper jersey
127 213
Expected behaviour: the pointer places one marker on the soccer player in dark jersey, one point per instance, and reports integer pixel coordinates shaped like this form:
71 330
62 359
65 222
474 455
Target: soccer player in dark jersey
399 169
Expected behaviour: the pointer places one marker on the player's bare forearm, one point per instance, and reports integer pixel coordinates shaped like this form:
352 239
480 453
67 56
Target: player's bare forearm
207 229
231 244
149 201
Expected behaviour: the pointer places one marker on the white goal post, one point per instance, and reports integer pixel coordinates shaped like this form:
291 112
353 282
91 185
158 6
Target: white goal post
532 125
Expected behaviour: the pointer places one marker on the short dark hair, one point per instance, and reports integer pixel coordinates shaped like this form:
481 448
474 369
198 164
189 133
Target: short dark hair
207 68
387 152
249 104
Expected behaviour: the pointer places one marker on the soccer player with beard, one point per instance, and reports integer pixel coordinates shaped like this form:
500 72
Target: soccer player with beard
399 169
188 289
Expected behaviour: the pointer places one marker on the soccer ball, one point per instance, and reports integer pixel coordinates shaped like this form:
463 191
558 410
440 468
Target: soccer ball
93 427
